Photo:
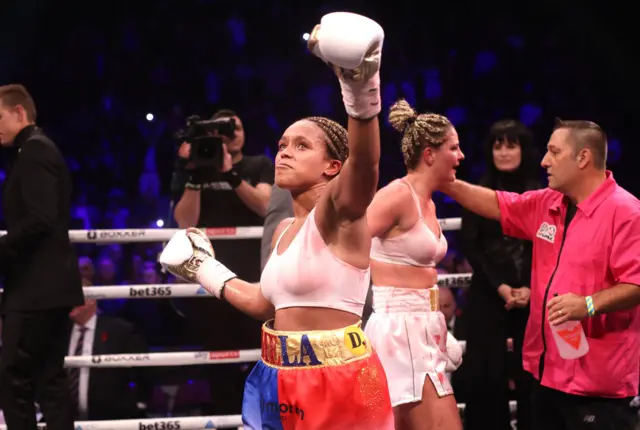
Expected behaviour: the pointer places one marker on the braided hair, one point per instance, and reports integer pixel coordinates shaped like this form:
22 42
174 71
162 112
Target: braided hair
337 142
418 130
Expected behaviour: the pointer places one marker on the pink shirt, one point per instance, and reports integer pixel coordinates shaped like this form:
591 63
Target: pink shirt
601 249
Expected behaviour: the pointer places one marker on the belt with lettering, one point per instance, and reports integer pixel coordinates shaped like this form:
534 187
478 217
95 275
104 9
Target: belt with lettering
295 349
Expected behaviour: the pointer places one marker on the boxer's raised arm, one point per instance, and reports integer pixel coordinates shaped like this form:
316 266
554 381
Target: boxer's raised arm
352 44
357 182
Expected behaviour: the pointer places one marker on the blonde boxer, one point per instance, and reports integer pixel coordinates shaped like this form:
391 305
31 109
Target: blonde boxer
406 328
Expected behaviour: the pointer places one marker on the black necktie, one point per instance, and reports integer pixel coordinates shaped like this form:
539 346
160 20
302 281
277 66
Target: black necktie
74 372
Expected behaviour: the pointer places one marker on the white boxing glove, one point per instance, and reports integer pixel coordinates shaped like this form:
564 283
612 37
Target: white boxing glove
352 45
190 256
454 353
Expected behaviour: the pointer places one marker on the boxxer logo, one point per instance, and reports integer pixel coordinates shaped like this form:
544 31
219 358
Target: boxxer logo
115 234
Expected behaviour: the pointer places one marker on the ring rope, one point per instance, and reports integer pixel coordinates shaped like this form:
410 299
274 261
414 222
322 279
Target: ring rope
169 291
181 423
158 359
169 423
142 235
184 358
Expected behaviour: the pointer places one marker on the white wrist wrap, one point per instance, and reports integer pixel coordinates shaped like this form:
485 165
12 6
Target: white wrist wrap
212 275
362 99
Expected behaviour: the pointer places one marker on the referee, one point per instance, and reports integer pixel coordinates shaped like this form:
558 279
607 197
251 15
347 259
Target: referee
585 231
40 268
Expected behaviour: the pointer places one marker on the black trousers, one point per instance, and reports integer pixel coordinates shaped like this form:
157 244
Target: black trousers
488 366
555 410
34 345
226 385
226 381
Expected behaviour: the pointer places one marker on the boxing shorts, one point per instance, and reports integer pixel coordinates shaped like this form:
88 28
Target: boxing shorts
409 334
317 380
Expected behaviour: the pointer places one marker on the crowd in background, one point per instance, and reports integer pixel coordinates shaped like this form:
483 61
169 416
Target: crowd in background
114 83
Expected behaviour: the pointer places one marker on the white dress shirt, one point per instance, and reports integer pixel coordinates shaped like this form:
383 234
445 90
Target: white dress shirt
87 349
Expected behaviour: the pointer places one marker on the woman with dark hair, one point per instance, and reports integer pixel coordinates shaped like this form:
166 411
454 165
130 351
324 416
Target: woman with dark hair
499 294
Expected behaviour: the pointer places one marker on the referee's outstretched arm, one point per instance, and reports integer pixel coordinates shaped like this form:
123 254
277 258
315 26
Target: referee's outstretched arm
480 200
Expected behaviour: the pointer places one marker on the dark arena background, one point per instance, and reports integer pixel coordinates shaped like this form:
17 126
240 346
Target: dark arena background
114 81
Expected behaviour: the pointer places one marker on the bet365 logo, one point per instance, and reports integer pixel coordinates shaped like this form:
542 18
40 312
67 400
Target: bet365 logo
150 292
161 425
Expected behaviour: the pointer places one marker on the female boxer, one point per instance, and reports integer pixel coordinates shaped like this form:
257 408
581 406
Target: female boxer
318 371
406 328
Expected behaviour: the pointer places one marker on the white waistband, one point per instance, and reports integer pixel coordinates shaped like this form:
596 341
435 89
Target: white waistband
396 300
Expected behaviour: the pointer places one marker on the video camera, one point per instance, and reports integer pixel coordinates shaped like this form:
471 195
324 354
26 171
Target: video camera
206 148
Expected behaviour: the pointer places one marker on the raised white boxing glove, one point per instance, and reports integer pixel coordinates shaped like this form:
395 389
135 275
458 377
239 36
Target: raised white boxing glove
352 45
190 256
454 353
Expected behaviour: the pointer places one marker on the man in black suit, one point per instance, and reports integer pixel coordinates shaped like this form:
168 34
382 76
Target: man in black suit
105 393
42 280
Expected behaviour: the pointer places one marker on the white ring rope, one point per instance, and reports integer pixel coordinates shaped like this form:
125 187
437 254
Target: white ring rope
173 423
142 235
168 291
158 359
183 358
179 423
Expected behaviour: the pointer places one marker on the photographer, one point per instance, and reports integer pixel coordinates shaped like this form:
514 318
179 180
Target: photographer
232 190
235 195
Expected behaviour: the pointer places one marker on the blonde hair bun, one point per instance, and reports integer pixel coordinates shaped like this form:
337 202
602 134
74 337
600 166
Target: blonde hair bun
401 114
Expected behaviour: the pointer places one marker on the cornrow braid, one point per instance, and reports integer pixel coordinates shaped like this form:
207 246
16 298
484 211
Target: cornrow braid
337 142
418 130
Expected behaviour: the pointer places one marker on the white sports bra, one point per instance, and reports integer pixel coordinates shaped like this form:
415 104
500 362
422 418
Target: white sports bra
307 274
417 247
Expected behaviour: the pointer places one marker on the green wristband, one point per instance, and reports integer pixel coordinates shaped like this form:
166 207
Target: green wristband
591 310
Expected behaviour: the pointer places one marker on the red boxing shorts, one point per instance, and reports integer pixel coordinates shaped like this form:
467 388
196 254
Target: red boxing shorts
317 380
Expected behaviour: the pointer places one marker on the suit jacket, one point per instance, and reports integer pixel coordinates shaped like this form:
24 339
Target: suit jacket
38 261
110 396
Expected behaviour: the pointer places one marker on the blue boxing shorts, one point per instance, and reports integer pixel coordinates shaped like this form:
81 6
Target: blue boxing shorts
317 380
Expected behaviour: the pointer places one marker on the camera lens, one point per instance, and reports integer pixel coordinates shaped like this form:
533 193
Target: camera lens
206 150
